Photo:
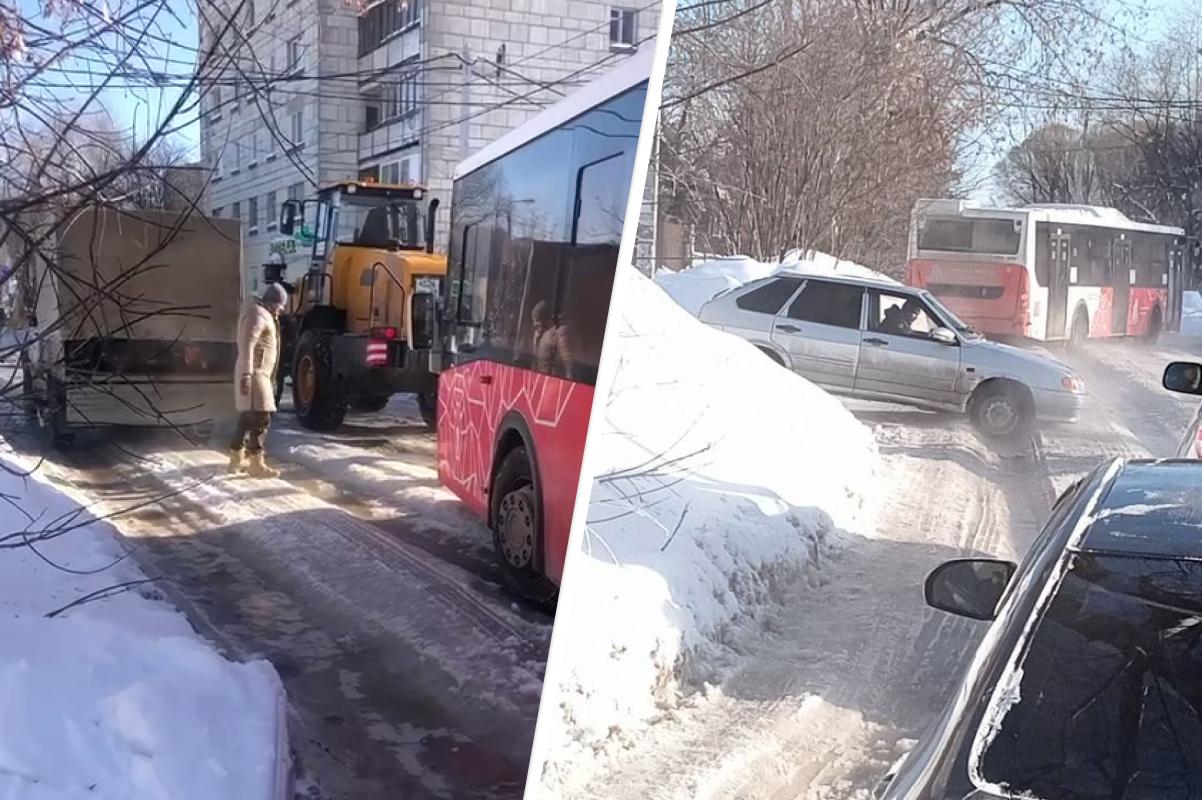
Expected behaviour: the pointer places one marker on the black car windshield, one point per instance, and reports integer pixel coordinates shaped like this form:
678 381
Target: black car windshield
1109 697
950 317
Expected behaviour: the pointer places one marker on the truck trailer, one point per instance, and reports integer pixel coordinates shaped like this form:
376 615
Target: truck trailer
135 323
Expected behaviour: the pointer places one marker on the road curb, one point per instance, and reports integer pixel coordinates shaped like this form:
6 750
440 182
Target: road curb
282 779
1042 476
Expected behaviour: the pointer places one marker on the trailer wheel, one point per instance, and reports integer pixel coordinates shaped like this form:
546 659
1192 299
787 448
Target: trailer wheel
427 402
370 405
517 528
317 393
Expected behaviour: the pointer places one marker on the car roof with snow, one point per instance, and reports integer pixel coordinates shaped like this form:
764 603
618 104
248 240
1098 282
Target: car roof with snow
1152 508
855 280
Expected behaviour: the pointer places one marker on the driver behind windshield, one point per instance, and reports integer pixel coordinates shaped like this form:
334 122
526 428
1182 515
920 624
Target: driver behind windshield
899 319
375 231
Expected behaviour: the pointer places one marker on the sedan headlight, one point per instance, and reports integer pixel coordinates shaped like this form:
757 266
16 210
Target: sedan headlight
1073 384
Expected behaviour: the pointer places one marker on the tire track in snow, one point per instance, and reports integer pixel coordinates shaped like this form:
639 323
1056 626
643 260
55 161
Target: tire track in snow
374 712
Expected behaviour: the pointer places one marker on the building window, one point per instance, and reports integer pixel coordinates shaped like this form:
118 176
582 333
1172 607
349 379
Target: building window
250 13
623 27
237 157
271 211
405 176
254 150
252 213
295 54
215 95
400 96
216 212
371 111
296 191
298 128
370 174
236 211
385 19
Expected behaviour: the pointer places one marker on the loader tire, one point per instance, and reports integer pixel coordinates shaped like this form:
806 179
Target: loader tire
427 403
318 396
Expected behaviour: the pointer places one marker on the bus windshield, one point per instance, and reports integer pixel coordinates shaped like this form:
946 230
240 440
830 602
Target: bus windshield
999 237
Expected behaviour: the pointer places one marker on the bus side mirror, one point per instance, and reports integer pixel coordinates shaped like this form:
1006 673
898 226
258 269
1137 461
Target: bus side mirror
290 211
421 317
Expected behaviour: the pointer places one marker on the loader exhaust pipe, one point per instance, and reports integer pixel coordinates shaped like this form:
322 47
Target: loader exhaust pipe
431 218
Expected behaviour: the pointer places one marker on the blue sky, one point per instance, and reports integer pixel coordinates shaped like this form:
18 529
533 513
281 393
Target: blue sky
140 107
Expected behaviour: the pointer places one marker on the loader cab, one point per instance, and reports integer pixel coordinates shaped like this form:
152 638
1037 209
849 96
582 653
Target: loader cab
371 251
361 214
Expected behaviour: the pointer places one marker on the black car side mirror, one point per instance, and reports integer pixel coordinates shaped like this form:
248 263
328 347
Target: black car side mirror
1184 377
969 587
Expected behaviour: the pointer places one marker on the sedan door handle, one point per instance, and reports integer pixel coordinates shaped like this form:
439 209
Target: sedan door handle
788 328
874 341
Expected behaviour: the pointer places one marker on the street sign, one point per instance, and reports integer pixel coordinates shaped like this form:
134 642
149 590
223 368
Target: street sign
284 245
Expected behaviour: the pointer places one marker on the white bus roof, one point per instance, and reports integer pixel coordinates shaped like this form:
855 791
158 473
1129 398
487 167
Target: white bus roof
1066 214
635 69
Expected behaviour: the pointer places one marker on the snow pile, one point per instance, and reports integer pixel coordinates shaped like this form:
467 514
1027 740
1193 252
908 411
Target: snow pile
721 479
695 286
116 699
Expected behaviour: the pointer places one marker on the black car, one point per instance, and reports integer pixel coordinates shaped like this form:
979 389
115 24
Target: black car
1088 684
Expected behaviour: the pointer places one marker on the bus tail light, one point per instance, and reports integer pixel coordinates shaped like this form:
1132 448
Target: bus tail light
383 333
377 353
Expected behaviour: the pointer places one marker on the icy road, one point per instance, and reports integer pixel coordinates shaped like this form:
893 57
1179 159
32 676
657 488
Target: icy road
844 676
410 672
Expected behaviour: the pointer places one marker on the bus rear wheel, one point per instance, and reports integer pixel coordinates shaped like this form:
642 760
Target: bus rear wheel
1080 330
1155 327
517 528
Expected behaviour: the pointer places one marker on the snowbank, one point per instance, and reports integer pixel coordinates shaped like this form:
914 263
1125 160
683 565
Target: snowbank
117 699
721 480
695 286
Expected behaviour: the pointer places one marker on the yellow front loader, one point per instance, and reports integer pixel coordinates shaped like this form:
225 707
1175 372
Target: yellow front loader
353 334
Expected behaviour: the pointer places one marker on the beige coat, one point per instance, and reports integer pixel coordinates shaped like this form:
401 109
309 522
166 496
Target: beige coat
258 357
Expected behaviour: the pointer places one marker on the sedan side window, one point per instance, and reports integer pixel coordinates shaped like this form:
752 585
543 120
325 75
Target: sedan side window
769 298
828 304
900 315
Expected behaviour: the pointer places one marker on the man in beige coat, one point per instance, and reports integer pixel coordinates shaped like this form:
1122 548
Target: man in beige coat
258 360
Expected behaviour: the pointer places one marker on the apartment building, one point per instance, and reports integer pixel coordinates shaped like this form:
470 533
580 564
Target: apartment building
399 90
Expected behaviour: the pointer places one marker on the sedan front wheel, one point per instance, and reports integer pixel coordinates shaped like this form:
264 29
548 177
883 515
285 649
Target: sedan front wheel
1000 411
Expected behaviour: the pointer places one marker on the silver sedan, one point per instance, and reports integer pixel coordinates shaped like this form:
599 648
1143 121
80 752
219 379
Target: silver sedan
884 341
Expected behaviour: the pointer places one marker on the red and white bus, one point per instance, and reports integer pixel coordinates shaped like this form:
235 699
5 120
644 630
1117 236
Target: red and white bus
1048 272
536 221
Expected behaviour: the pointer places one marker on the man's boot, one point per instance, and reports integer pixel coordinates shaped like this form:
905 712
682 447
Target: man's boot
257 468
235 461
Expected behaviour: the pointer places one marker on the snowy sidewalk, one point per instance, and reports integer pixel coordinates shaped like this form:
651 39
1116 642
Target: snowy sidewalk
117 698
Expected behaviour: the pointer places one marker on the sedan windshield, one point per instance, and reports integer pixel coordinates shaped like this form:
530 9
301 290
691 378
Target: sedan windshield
949 316
1108 704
